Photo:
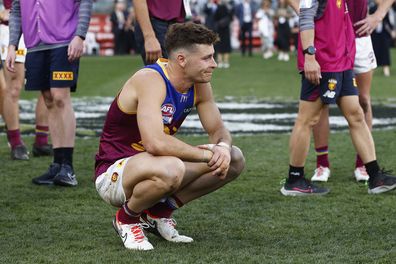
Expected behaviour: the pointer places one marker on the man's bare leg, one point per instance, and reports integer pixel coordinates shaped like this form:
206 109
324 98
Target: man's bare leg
14 83
296 184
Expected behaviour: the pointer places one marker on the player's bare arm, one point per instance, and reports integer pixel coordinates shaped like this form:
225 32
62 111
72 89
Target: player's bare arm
151 43
307 33
367 25
295 4
210 117
151 94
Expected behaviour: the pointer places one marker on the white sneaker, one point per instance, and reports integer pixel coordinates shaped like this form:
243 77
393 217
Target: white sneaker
286 57
165 227
268 54
280 56
132 235
361 174
226 65
220 65
321 174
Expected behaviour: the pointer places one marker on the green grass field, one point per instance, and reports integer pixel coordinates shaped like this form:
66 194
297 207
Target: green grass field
248 221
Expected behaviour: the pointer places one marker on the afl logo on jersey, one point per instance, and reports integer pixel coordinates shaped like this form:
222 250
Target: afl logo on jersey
168 110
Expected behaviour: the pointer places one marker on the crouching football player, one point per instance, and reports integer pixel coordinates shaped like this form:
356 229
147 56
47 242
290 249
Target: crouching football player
140 167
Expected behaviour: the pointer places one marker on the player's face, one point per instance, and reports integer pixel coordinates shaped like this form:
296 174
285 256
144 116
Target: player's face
201 63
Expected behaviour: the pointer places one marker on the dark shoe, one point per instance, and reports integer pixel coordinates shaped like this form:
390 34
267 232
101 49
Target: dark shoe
48 177
382 182
302 187
66 176
42 150
20 152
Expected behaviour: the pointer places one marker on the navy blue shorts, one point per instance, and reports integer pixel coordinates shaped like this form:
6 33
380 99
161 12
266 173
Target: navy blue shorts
50 68
332 86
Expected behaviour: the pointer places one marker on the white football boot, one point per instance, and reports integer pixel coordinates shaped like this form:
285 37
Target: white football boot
361 174
132 235
165 227
322 174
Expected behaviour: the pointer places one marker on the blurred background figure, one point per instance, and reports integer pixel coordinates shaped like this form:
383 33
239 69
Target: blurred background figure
245 12
283 30
382 38
118 20
2 87
264 17
222 21
209 10
130 32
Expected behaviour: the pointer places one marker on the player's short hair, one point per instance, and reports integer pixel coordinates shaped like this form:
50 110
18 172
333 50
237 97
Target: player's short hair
186 35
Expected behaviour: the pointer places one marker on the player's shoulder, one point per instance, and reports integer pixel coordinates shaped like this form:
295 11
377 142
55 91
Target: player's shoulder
146 78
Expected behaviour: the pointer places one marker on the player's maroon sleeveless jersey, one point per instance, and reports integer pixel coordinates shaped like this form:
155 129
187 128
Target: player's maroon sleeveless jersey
121 137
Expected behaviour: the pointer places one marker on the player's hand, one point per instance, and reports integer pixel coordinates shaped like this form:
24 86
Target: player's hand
366 26
10 60
220 161
75 49
312 70
153 49
5 15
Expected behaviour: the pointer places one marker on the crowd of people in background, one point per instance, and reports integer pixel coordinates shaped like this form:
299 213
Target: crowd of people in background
266 26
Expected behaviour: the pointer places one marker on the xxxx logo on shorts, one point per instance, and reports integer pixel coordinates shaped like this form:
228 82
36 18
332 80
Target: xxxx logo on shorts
62 76
114 177
332 84
20 52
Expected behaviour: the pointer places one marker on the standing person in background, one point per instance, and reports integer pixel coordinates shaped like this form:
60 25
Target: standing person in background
364 64
382 37
222 20
130 31
13 85
2 87
52 65
283 30
266 28
118 20
154 17
209 11
245 12
326 55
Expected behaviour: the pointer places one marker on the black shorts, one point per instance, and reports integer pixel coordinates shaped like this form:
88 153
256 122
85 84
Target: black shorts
332 86
50 68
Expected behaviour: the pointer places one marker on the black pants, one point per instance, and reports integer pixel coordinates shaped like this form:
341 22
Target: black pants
246 28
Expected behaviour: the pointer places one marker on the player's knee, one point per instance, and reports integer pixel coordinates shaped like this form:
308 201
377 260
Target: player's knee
172 174
307 121
14 92
237 161
364 101
356 115
59 100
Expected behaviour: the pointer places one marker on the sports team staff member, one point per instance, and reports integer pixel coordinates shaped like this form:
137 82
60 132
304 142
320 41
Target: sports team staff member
326 64
154 17
364 65
140 166
13 85
54 32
